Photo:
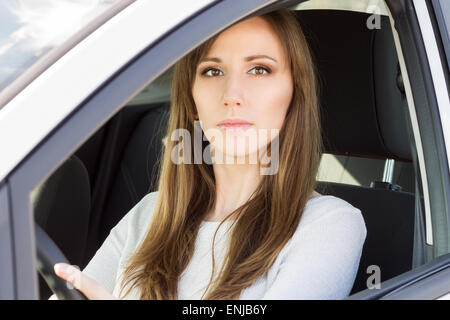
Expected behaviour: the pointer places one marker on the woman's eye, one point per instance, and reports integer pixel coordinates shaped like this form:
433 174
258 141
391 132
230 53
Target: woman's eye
259 70
211 72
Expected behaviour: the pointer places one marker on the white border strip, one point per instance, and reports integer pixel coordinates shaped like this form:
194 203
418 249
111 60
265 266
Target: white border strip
444 297
437 73
416 132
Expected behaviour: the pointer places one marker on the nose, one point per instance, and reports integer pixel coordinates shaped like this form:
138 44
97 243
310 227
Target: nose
231 102
232 96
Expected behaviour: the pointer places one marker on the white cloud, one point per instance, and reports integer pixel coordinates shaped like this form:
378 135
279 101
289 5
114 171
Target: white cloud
47 23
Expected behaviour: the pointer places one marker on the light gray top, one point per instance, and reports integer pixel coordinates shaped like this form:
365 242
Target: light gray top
320 261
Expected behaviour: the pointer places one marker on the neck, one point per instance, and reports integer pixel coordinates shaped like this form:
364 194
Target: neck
235 183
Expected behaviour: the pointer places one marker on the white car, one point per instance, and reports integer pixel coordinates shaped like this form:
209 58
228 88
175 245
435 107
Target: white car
81 112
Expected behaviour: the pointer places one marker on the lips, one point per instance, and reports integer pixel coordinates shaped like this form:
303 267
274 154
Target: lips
234 124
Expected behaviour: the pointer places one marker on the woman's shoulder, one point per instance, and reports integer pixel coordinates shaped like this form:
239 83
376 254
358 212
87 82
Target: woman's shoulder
147 202
136 221
141 214
327 223
327 209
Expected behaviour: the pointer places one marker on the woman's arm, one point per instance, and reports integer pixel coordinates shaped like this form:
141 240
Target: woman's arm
323 258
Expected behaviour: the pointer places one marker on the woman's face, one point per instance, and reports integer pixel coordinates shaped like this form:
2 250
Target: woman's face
244 78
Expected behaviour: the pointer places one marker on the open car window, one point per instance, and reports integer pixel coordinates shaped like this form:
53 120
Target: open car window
133 139
105 156
30 29
365 6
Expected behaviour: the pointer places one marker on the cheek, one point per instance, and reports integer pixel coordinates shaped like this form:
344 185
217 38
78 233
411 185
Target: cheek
273 103
204 102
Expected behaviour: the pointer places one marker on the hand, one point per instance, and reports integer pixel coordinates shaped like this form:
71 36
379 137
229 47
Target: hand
89 287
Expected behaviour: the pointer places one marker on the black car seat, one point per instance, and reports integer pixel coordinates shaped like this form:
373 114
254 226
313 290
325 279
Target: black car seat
364 114
128 167
61 207
137 174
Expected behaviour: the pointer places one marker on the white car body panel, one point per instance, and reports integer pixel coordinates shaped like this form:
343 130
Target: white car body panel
52 96
437 72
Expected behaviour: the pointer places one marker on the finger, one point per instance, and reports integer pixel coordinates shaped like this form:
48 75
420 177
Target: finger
89 287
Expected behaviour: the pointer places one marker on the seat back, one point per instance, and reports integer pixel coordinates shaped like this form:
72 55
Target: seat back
61 208
138 171
364 114
390 230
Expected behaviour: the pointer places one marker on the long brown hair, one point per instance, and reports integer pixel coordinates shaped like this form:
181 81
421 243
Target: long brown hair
186 192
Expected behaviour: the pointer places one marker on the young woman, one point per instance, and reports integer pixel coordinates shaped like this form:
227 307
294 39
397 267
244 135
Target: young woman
223 230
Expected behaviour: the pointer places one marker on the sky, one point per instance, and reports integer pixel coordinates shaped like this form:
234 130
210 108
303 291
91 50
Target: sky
30 28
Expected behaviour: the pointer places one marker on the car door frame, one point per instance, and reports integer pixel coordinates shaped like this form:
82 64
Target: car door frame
98 107
108 99
6 248
432 280
425 81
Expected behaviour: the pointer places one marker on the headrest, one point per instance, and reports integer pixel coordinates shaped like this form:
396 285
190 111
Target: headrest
363 111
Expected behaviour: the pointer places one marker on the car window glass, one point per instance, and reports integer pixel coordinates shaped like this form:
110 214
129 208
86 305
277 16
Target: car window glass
360 171
133 133
445 8
157 91
30 28
367 6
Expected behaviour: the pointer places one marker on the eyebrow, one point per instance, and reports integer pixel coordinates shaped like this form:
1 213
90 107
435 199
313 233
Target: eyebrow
249 58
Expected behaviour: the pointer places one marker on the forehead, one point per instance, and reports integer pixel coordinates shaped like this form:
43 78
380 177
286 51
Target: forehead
249 37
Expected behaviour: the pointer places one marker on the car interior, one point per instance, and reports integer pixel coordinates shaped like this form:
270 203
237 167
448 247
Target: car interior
365 129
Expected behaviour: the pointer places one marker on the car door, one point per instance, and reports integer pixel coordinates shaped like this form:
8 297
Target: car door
433 280
161 33
93 102
423 39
